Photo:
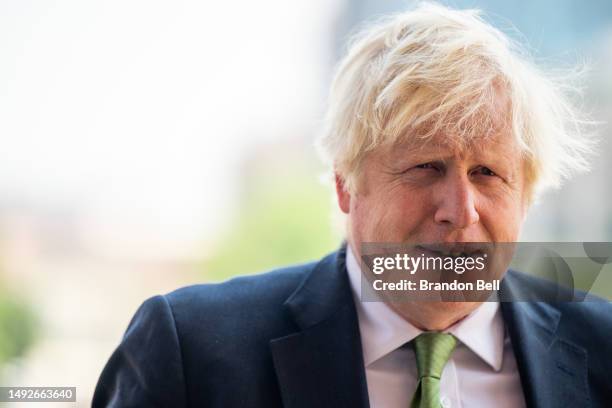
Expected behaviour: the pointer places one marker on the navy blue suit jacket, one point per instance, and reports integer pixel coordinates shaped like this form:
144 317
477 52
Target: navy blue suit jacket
290 338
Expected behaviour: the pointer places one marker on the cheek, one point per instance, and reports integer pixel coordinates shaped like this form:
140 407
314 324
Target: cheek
511 211
409 209
368 219
388 216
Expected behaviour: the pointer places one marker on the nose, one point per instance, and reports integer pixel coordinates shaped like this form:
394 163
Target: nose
456 205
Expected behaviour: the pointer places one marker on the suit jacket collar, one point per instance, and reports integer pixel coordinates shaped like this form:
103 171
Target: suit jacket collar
322 364
553 370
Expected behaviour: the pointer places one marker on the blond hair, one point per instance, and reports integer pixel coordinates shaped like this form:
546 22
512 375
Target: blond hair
434 70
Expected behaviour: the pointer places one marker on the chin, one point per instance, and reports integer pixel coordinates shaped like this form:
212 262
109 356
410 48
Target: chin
430 315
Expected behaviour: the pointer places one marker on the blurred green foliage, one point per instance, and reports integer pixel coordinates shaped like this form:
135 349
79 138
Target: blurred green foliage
17 326
284 218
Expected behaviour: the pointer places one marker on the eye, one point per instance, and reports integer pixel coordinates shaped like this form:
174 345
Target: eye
427 169
485 171
426 166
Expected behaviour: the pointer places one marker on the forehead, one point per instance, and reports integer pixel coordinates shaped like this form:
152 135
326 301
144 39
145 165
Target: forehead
480 124
484 130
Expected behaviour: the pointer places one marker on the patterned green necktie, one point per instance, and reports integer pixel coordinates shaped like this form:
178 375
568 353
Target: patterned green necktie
432 352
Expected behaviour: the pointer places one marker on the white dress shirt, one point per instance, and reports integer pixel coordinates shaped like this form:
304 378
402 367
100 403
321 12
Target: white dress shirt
481 372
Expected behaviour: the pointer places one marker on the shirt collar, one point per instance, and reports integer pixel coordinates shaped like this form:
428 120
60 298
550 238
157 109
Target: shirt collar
383 330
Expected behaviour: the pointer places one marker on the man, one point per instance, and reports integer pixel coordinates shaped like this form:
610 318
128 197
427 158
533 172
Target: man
438 133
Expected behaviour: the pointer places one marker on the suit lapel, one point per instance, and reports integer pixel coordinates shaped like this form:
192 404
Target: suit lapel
553 370
322 365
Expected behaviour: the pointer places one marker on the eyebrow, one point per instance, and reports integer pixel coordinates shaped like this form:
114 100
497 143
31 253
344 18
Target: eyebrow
494 154
423 150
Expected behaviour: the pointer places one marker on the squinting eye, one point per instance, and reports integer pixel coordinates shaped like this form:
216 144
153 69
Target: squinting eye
486 171
425 166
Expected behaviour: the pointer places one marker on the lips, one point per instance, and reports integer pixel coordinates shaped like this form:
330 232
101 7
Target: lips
455 249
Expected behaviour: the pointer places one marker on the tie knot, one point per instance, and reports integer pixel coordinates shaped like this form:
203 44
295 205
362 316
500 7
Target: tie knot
432 352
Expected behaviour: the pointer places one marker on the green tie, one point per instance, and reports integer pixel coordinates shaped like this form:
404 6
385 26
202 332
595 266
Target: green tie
432 352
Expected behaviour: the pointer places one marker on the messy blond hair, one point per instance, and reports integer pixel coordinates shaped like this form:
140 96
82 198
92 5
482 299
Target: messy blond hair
434 70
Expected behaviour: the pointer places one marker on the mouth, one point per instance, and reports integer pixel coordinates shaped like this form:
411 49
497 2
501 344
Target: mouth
455 249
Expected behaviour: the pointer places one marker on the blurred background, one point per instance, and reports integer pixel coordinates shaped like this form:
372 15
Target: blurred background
147 145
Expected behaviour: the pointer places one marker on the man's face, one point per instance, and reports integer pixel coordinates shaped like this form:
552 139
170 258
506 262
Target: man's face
435 193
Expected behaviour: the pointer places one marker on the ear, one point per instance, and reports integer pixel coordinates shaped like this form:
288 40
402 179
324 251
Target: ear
344 197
